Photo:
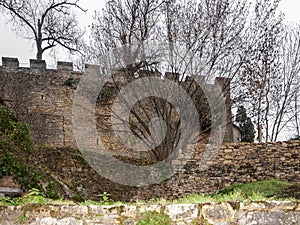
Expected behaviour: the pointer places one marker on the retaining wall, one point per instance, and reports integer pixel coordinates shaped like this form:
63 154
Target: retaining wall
212 168
259 213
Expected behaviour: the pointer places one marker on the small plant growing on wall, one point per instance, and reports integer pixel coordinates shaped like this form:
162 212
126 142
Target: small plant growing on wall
105 199
107 93
16 146
154 218
16 142
71 82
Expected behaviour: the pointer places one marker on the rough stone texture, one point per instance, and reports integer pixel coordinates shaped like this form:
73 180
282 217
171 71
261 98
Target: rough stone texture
44 98
183 213
268 218
218 213
260 213
211 168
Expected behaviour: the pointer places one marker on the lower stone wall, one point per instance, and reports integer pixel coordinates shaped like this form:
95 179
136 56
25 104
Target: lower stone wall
207 171
212 168
259 213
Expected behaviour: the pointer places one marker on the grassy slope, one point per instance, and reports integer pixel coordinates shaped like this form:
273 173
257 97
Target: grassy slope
261 190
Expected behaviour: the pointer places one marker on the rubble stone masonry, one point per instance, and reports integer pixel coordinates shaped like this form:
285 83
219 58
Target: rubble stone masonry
44 97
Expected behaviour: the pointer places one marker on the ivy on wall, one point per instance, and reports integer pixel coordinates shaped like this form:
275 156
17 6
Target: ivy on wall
15 148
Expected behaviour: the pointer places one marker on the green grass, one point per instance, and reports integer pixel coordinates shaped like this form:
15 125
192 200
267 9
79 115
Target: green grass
255 191
154 218
89 202
268 188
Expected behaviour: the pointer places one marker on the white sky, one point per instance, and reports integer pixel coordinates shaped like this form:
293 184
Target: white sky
14 46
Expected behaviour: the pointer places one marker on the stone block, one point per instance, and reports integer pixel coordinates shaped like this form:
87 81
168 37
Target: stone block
298 207
129 211
11 63
92 69
176 162
54 221
182 212
268 218
218 213
228 150
144 208
37 64
228 157
227 162
281 205
252 206
65 66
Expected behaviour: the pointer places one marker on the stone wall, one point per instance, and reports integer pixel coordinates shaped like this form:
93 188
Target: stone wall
260 213
44 97
41 97
233 163
212 168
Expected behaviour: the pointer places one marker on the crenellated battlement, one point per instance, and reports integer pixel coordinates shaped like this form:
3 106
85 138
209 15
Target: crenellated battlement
35 65
44 97
12 64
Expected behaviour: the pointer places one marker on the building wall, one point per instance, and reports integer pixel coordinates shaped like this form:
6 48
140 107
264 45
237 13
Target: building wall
40 97
43 98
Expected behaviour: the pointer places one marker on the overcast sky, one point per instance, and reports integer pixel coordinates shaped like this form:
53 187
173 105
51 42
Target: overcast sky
14 46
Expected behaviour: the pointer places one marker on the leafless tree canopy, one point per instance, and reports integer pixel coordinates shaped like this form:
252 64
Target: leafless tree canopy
246 41
243 40
48 22
269 79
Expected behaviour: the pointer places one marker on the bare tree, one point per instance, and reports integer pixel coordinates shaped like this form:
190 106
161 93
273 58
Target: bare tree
212 30
262 64
284 97
296 113
123 22
48 22
204 38
209 38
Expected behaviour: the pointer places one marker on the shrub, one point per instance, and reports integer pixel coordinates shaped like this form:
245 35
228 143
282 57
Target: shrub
14 134
15 142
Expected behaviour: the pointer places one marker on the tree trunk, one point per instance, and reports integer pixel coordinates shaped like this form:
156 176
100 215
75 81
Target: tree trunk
39 54
296 115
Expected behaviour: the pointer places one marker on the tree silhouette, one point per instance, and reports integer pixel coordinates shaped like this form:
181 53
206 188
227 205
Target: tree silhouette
48 22
245 124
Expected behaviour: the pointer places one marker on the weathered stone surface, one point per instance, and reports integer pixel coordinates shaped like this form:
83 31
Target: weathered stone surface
129 212
268 218
144 208
252 206
9 214
218 214
182 212
281 205
298 207
53 221
211 213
